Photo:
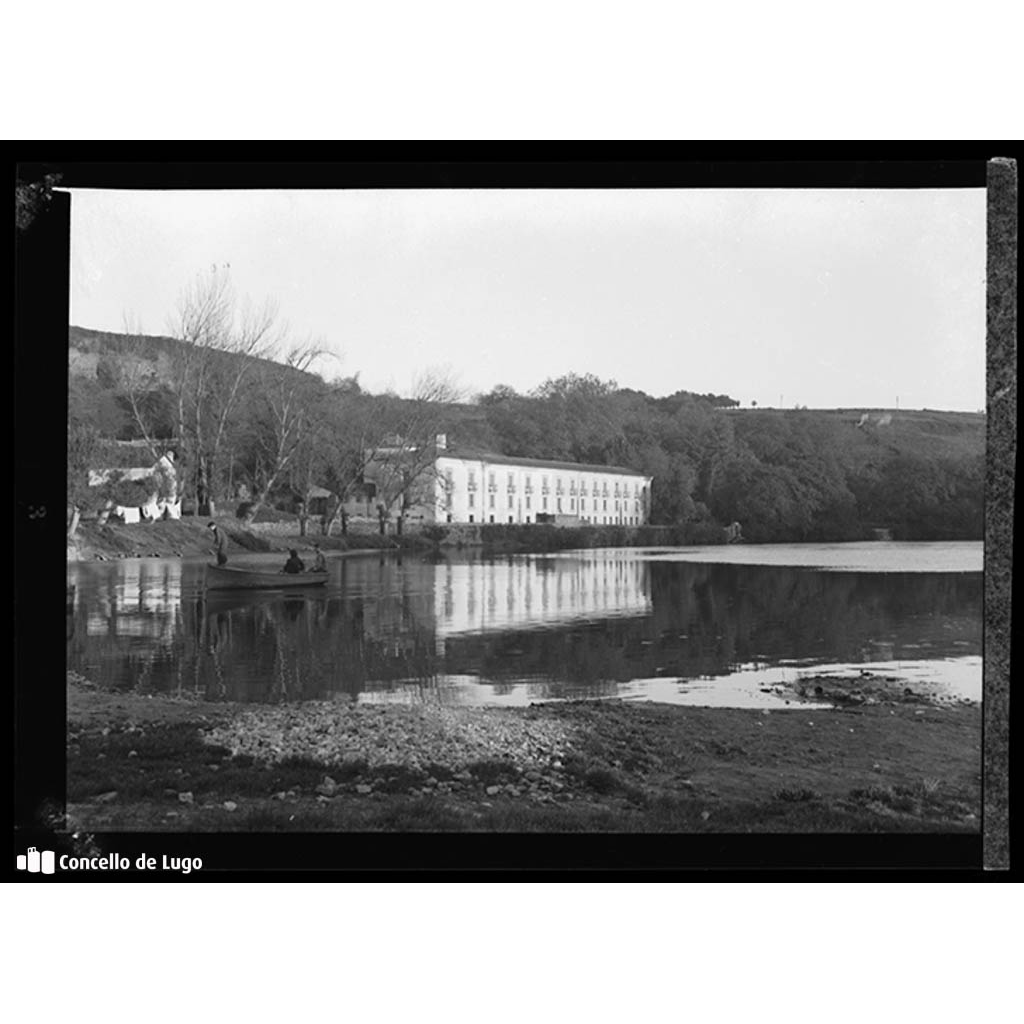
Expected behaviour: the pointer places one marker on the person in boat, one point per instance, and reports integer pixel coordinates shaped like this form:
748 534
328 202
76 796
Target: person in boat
319 562
219 545
294 563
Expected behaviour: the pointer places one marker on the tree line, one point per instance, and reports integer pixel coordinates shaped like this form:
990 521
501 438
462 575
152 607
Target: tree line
794 475
236 398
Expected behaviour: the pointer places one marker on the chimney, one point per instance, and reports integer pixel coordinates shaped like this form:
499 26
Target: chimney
442 441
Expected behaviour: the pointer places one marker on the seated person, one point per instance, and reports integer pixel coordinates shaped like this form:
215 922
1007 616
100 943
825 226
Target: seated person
319 562
294 563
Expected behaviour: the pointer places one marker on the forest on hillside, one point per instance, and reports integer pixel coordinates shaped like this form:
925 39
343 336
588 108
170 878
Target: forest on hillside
793 475
243 423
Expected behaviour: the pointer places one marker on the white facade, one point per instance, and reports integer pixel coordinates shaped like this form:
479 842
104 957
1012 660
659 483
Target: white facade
498 489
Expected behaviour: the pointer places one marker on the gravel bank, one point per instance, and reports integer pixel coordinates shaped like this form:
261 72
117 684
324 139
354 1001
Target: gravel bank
413 738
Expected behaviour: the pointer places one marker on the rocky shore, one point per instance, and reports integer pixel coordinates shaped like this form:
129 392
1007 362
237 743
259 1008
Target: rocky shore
154 763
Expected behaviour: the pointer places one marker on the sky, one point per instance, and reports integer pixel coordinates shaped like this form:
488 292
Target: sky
823 298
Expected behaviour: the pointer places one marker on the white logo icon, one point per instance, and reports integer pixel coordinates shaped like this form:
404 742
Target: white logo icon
34 861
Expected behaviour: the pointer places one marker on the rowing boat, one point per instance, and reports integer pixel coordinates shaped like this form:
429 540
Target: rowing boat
226 577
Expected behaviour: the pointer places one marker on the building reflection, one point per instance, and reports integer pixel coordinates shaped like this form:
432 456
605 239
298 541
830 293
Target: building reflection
531 592
144 600
128 624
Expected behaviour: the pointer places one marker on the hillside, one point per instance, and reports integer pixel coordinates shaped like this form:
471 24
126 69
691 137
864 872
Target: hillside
97 355
926 433
784 475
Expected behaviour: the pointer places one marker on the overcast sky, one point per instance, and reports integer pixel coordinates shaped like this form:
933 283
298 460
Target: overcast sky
821 298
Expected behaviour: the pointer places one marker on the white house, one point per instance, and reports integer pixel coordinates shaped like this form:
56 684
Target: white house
164 498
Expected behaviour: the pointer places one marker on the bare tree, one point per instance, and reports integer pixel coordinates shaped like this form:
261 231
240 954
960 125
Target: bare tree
290 397
82 442
403 466
209 372
349 437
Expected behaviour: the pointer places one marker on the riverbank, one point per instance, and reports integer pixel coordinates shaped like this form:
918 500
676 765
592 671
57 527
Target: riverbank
190 537
154 763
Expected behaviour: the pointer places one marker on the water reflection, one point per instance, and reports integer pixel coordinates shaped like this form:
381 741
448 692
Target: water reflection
507 630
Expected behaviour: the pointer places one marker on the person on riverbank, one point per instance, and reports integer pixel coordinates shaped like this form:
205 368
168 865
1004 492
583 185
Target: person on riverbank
319 562
294 563
219 545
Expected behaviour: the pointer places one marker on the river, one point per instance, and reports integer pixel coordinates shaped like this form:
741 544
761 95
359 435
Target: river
722 626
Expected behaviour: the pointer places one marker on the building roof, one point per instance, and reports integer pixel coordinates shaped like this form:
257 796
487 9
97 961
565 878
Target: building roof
101 476
515 460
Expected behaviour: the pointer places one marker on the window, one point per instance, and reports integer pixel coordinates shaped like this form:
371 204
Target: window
491 496
471 517
490 479
472 499
449 517
544 502
572 504
492 519
559 504
510 519
510 500
605 503
527 501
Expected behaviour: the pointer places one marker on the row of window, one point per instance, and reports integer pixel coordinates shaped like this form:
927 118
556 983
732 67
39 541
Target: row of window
620 488
620 506
591 520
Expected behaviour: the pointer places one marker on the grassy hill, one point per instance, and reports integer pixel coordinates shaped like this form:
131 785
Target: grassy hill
800 474
925 433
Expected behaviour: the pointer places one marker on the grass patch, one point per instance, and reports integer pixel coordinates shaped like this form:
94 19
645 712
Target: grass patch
923 800
143 764
796 795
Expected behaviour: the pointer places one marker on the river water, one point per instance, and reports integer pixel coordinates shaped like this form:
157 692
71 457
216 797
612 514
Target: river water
721 626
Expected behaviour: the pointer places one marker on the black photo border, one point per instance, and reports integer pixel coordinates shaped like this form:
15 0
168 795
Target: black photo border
41 299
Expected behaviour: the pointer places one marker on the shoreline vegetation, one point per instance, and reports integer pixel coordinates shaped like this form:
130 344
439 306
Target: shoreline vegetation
905 764
190 537
245 431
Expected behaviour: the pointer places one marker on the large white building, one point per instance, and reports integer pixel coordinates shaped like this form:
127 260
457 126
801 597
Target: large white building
482 487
